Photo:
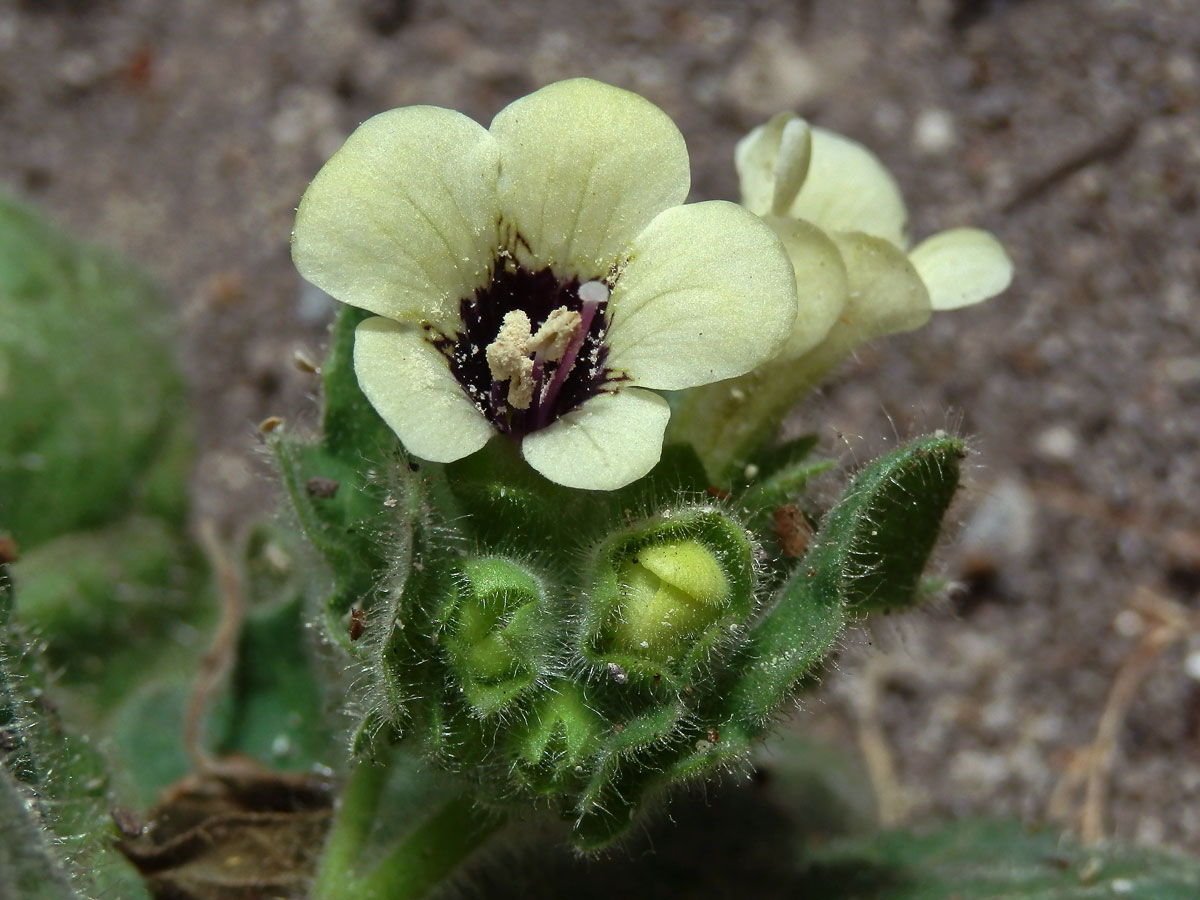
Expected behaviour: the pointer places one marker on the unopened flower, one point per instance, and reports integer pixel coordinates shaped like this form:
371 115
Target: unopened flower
843 219
540 278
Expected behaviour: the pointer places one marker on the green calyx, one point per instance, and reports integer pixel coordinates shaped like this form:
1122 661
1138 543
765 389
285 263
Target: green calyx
498 634
666 593
553 748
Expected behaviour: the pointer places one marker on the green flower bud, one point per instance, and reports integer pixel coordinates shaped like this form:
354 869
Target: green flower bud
553 748
499 633
666 594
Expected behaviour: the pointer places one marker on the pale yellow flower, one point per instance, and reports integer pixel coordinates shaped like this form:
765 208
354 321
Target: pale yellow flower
843 222
843 219
539 278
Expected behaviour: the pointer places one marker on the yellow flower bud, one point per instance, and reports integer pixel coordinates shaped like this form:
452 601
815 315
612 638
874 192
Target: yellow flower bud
670 592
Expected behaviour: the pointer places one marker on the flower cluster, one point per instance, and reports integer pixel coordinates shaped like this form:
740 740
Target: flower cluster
539 279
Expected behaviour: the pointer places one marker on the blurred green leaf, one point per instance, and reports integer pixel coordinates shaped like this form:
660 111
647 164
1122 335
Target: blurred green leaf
130 587
276 710
991 860
144 740
93 417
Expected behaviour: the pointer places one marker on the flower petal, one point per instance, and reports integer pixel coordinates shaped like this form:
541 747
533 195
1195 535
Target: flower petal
584 168
886 295
848 189
412 388
755 157
708 293
402 220
961 267
821 283
791 169
608 442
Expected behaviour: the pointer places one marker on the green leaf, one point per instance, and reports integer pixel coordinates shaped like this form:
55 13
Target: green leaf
58 778
991 860
874 544
868 555
129 588
352 490
92 406
787 645
345 513
276 712
144 740
26 866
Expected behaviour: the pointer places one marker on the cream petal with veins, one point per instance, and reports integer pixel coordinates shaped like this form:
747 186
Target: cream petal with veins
821 280
403 241
962 267
615 438
848 189
885 294
411 387
586 166
708 293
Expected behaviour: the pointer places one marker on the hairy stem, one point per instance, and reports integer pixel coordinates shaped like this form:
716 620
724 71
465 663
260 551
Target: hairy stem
448 827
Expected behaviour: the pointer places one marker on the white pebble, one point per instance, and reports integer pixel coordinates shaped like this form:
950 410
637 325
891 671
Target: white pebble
1128 623
1058 442
1191 665
934 132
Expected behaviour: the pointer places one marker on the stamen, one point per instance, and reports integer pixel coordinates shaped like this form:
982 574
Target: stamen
592 294
508 360
519 380
552 339
520 386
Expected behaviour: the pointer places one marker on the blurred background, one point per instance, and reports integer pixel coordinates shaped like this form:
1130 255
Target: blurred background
182 134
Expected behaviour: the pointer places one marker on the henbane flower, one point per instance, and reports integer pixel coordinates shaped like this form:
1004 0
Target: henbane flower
843 219
844 224
540 278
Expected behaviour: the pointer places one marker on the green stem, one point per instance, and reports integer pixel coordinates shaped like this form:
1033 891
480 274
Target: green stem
431 852
451 828
351 829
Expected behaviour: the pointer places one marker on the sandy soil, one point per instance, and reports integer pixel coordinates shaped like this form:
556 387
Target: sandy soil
183 134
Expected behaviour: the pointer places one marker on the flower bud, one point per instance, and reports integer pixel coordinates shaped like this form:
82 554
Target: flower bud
499 634
667 593
552 748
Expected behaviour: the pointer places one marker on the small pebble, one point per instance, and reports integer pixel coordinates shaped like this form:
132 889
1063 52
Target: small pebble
1191 665
1128 623
1058 443
934 132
